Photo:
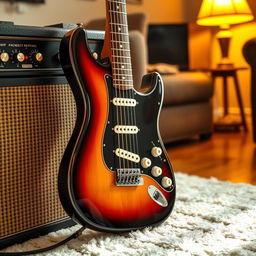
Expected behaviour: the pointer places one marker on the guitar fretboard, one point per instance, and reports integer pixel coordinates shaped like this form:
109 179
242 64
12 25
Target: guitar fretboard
120 46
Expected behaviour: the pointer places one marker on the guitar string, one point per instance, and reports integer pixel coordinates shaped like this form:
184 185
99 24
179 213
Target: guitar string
117 107
122 92
124 73
133 115
123 20
115 81
126 49
131 96
130 91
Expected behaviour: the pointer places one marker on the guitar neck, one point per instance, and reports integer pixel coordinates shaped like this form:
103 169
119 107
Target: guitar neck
117 39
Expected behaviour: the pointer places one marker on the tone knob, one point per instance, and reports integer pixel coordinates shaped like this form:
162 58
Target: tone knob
39 57
20 57
156 171
166 182
4 56
156 151
145 162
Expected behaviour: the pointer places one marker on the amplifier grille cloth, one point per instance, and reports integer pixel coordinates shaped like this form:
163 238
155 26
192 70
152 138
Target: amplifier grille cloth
36 123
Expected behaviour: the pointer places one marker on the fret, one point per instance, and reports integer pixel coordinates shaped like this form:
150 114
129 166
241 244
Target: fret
126 57
121 65
118 12
120 46
116 2
119 33
116 34
123 69
122 72
120 80
118 41
119 29
118 24
122 75
120 49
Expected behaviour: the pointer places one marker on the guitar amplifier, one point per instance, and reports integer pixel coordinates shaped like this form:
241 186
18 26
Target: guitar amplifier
37 116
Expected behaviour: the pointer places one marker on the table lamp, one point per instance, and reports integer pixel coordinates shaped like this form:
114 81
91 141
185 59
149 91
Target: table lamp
224 13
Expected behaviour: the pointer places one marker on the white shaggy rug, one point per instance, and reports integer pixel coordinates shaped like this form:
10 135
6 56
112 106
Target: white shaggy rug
209 218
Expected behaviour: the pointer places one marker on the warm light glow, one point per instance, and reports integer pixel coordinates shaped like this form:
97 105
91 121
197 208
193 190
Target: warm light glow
219 12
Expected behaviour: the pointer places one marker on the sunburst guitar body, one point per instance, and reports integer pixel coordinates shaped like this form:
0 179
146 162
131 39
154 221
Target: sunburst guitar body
115 175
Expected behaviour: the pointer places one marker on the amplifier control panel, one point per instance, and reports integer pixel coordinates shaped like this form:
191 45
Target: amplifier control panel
17 53
34 54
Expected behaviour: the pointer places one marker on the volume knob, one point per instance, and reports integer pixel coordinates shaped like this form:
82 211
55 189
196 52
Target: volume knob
4 57
156 171
39 57
145 162
156 151
20 57
166 182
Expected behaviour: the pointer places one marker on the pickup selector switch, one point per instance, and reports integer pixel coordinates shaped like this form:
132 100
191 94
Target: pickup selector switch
145 162
166 182
156 171
156 151
4 57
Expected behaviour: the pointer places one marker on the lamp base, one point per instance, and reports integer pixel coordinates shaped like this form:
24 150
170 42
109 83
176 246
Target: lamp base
225 63
224 37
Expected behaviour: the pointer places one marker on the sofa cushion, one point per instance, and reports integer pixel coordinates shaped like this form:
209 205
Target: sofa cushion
187 87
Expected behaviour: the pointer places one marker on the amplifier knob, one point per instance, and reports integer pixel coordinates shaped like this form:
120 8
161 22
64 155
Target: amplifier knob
20 57
4 56
156 171
166 182
39 57
156 151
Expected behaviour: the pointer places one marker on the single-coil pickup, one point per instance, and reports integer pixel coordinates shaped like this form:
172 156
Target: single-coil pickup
126 129
124 102
127 155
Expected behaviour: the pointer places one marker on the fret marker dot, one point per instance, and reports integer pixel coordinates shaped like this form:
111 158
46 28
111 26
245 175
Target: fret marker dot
123 77
122 66
117 7
119 28
121 46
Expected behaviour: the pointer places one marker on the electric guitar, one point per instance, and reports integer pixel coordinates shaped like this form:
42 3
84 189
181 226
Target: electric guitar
115 175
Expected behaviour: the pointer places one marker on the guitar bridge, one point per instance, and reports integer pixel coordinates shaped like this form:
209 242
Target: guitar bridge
128 177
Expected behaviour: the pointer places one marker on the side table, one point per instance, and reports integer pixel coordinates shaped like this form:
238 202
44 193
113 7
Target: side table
224 74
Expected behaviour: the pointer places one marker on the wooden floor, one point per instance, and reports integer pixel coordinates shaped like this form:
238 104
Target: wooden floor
227 156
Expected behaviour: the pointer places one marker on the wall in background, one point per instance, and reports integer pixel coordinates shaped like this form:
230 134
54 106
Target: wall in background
74 11
52 12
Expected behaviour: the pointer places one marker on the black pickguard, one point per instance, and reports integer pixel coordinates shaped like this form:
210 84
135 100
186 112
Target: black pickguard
145 117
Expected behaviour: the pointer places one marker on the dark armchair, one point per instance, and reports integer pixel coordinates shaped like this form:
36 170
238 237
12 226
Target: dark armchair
249 52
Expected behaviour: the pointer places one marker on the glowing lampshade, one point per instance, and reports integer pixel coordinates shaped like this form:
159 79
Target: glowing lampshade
219 12
224 13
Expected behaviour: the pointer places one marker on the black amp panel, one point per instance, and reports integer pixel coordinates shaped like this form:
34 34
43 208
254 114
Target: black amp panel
24 53
35 49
